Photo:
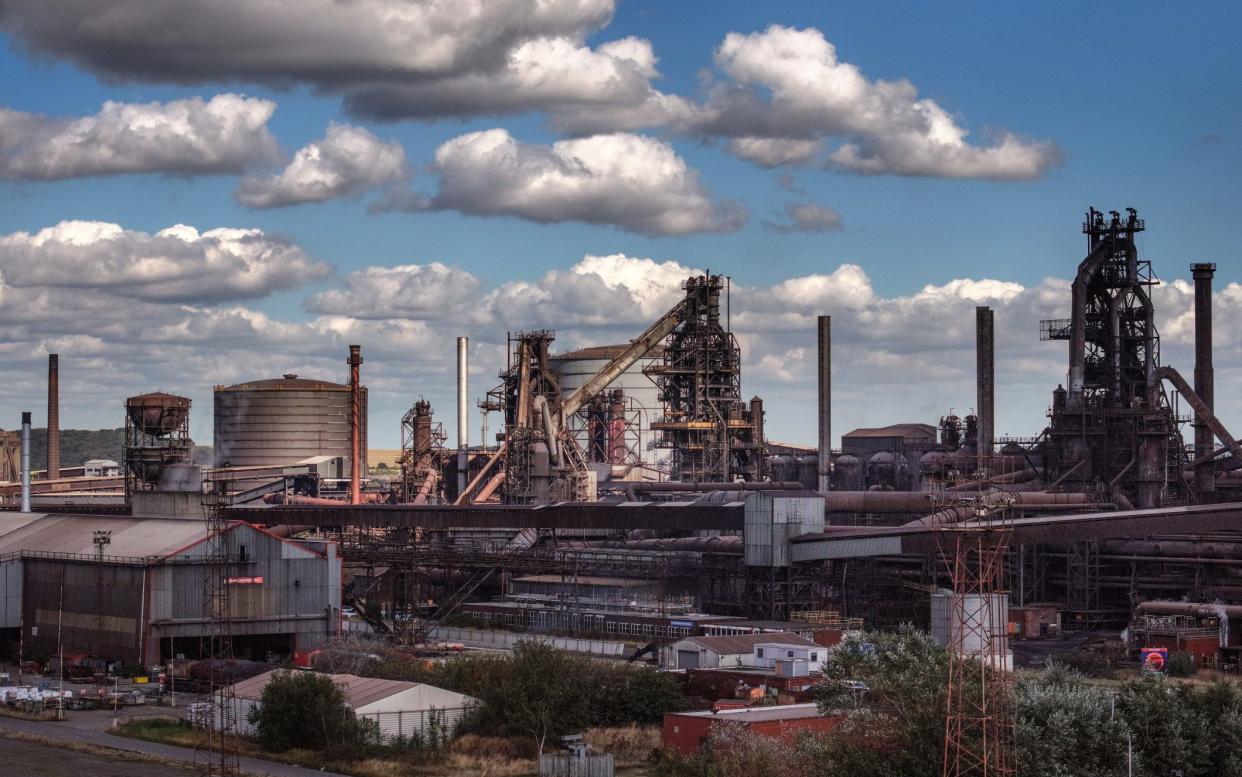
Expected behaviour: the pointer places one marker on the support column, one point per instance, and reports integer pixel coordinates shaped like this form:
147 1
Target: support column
463 418
355 425
825 402
985 384
1205 480
53 417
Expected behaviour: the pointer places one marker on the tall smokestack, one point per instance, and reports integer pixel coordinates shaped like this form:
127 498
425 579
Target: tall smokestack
53 417
1205 378
355 425
463 411
825 402
985 384
25 462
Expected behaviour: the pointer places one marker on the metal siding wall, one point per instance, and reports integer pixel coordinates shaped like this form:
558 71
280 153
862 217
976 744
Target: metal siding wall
11 594
102 607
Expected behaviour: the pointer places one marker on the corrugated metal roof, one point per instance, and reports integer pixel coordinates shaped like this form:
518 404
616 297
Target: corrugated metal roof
905 431
756 714
359 691
11 522
139 537
286 384
745 643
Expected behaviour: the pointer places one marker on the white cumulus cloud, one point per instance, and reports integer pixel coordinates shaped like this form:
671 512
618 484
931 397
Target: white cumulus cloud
786 96
346 162
630 181
177 264
225 134
807 217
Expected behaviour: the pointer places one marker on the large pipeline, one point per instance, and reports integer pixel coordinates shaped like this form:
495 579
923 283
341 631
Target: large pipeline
732 544
922 501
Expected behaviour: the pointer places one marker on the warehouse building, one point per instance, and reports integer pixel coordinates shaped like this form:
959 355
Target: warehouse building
742 650
399 710
132 589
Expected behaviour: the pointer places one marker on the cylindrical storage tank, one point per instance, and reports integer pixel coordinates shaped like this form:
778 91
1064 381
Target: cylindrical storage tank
577 367
808 471
847 473
284 420
782 467
882 470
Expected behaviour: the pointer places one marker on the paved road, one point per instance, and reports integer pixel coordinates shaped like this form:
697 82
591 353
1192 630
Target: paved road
38 759
87 735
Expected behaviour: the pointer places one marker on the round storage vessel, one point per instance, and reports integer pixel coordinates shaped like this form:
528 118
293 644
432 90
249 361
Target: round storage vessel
283 420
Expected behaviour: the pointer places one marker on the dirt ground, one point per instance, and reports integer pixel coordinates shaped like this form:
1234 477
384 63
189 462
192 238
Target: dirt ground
35 759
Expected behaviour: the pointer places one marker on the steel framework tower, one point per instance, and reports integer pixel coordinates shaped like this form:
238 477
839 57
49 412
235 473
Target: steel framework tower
1112 426
714 437
217 752
979 716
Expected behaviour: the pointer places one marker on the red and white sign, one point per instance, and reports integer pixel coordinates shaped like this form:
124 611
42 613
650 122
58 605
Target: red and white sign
245 580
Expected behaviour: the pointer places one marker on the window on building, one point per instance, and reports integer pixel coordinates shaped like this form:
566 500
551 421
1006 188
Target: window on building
815 656
788 654
759 652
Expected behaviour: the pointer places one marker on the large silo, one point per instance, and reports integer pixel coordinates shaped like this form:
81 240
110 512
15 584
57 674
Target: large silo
283 420
577 367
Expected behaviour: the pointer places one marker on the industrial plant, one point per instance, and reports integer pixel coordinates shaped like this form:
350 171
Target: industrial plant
629 491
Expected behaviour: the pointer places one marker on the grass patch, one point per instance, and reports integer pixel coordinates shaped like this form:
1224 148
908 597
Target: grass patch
471 755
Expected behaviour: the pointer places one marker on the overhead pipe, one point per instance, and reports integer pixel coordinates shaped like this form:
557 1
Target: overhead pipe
53 417
663 487
355 425
463 412
25 462
1205 378
1201 409
825 403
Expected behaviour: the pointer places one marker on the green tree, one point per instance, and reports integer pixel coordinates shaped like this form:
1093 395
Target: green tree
890 688
538 696
304 710
1066 728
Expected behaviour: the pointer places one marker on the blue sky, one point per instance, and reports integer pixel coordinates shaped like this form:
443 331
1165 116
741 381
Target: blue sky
1143 104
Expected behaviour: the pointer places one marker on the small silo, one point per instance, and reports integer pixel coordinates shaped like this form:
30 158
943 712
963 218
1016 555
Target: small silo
575 368
283 420
848 473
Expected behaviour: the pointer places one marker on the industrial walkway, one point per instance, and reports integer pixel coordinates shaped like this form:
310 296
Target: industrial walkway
54 730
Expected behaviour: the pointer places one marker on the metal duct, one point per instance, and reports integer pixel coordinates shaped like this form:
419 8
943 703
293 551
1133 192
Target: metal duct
355 425
463 429
25 462
825 402
985 384
53 417
1204 373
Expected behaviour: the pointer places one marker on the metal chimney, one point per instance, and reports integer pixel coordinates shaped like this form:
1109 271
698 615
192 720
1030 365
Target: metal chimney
825 402
463 411
1205 378
53 417
985 384
26 462
355 425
